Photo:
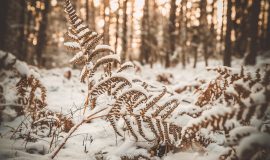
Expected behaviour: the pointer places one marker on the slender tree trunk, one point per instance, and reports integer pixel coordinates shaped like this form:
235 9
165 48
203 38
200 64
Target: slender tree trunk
22 40
240 26
42 39
30 18
195 52
92 15
253 33
106 27
3 21
222 30
183 31
124 35
213 12
131 30
203 30
144 48
227 53
87 11
117 27
171 31
267 38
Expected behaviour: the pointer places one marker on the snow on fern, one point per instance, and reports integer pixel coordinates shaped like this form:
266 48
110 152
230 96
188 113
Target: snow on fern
76 57
251 145
103 46
72 44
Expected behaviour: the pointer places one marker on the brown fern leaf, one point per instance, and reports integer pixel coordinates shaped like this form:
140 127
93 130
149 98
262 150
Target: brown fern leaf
153 101
93 43
84 73
71 40
150 123
166 133
102 86
162 107
139 124
86 38
160 131
100 49
119 87
82 31
125 66
140 101
169 112
104 60
129 127
175 131
111 120
123 99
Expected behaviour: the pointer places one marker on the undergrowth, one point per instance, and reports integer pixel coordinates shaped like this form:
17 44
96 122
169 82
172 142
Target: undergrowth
234 105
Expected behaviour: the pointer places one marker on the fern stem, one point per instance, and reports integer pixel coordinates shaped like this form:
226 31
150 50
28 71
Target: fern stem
72 130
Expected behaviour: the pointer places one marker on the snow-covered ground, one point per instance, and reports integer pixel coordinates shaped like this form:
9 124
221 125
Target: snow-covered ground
97 139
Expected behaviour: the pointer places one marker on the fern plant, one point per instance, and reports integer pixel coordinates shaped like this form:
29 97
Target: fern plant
30 102
142 107
145 111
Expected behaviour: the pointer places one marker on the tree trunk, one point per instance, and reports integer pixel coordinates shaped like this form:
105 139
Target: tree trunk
22 39
253 33
3 21
92 15
144 48
240 27
171 31
106 27
183 31
87 11
124 35
204 30
131 30
222 30
117 28
267 38
42 39
227 53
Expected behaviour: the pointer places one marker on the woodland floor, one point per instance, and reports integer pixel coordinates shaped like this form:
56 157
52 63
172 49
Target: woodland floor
97 139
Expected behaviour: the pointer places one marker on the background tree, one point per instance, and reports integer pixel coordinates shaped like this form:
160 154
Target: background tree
152 32
171 32
253 33
124 34
144 47
227 53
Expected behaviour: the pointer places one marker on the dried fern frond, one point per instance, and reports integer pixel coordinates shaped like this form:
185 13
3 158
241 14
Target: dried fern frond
125 66
104 60
162 107
83 38
103 86
100 49
255 146
237 134
34 84
152 102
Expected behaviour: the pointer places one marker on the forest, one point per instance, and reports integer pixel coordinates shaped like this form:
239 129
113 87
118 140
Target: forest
135 79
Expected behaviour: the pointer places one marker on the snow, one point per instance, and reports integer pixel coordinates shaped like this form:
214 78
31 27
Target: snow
103 46
77 56
251 143
240 131
72 44
111 56
97 138
83 32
